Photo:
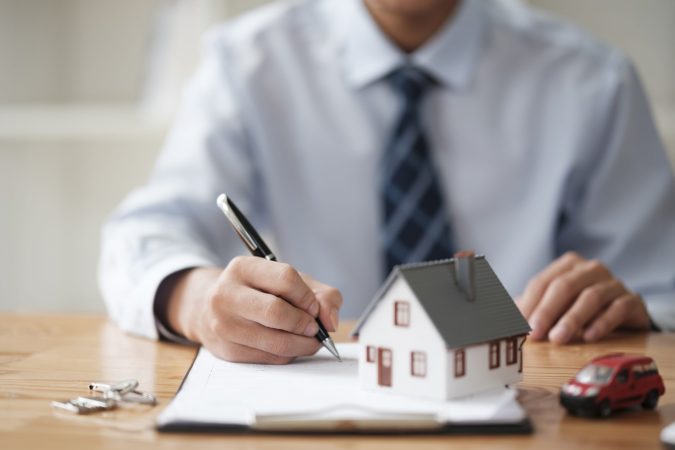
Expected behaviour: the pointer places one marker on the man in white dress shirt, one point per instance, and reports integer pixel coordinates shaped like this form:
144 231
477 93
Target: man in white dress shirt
543 148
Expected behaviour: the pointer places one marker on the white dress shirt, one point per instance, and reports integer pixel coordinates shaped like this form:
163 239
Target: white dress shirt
542 137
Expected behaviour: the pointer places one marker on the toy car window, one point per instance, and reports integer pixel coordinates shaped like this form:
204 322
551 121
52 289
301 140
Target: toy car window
638 371
595 374
622 376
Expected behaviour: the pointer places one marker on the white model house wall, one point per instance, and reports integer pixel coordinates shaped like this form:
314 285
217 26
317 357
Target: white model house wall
477 373
420 335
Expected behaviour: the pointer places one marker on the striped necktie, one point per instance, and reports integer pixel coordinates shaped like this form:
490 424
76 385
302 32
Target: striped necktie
414 216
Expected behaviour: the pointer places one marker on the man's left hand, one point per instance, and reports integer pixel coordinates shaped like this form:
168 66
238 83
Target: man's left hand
579 298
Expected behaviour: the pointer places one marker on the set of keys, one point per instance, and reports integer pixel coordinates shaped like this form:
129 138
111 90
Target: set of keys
109 397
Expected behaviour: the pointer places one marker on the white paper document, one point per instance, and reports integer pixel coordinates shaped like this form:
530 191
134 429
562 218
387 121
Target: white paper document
317 392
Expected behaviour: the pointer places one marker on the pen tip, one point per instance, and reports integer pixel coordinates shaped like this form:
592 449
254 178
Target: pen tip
330 345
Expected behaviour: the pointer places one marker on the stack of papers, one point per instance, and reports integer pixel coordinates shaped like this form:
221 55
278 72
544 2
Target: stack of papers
319 393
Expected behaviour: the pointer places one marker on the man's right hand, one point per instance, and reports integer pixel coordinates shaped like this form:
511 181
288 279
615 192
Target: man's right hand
254 310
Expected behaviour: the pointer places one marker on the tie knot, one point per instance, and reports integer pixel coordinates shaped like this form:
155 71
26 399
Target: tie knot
411 82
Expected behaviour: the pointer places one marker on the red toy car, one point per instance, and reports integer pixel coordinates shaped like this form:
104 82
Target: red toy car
613 381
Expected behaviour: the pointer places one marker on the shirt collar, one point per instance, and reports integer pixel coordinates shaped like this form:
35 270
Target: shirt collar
450 56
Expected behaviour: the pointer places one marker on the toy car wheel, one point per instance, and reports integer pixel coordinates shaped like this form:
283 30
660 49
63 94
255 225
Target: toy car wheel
651 400
604 410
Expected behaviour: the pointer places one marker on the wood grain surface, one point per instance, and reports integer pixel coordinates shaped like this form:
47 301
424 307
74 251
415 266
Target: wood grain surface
48 357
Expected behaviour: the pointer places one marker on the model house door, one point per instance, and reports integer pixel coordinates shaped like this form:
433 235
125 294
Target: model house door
384 366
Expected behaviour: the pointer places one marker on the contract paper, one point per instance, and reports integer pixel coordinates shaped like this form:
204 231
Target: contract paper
316 390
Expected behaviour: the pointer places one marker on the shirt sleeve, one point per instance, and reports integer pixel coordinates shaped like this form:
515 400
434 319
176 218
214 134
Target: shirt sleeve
172 222
622 212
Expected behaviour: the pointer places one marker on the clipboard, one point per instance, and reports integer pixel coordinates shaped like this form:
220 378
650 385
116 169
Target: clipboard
318 395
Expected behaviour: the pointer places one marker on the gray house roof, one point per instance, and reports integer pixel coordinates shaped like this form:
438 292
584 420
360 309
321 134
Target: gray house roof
492 315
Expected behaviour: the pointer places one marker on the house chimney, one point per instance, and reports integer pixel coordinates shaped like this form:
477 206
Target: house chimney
465 273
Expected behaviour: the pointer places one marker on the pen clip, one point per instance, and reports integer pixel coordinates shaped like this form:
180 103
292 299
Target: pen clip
233 217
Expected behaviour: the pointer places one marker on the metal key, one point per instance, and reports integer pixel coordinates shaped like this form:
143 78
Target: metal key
85 405
124 391
121 388
112 395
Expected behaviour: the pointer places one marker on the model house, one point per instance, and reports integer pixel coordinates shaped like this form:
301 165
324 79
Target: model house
441 330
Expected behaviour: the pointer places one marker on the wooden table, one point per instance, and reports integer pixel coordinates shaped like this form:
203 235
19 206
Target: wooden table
47 357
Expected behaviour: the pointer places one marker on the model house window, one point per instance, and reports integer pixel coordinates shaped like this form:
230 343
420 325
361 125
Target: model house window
494 354
370 353
418 364
460 363
511 351
401 313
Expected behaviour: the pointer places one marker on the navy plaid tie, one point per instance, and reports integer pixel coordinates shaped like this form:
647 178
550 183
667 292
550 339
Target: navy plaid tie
415 221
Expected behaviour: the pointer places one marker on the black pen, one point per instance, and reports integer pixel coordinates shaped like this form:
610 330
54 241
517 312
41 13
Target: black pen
257 247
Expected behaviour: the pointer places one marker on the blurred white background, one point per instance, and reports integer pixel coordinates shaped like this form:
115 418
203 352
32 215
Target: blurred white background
87 89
